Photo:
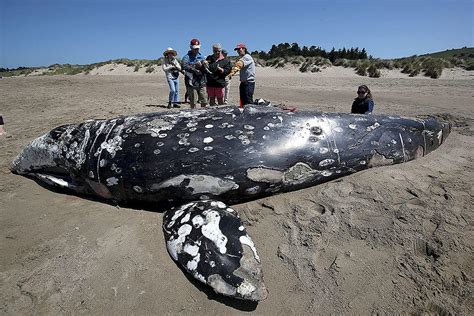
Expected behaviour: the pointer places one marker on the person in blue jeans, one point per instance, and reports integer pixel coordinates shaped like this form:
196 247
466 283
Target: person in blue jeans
363 104
172 68
246 65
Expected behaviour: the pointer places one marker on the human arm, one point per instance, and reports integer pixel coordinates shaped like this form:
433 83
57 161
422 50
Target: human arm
370 106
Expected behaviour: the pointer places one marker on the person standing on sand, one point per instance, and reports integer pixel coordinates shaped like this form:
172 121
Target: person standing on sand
227 82
363 104
194 74
172 68
246 65
218 67
2 130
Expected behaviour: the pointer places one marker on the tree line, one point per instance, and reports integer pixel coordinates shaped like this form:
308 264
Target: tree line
287 50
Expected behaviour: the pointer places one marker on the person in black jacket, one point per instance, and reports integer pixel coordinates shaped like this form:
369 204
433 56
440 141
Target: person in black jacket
363 104
217 68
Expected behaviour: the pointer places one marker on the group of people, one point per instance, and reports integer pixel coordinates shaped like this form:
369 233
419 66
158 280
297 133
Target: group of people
207 80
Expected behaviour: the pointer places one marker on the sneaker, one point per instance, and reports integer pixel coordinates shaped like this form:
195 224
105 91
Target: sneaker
175 105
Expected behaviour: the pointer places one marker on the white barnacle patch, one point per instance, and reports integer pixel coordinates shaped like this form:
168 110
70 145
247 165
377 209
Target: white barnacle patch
192 129
245 142
230 210
246 240
192 250
323 150
91 174
175 246
184 141
212 231
193 149
336 151
326 173
241 228
192 264
253 190
266 128
163 135
229 137
112 181
156 151
160 144
137 145
197 221
112 145
137 189
326 162
337 129
363 162
209 126
440 137
185 218
191 124
249 127
219 204
372 127
208 148
208 140
102 163
246 288
352 126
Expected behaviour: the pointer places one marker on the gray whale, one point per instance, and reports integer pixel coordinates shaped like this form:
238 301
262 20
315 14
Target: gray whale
207 158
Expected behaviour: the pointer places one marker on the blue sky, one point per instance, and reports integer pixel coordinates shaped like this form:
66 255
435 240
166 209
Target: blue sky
44 32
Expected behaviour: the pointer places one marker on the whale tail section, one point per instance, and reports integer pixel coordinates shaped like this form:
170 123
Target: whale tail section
208 240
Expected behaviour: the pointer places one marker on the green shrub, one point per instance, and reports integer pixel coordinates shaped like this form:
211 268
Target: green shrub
373 71
149 70
137 68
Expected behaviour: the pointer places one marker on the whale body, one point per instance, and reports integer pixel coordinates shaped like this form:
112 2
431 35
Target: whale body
202 160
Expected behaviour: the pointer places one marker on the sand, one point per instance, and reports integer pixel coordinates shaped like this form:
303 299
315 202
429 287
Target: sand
387 240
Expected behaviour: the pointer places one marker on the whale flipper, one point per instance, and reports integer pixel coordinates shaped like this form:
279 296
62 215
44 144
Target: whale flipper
208 240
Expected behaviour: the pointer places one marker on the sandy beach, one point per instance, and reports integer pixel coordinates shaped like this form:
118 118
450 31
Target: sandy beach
389 240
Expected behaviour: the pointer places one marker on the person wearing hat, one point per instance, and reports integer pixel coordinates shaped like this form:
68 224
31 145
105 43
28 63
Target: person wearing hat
246 65
218 68
172 68
194 74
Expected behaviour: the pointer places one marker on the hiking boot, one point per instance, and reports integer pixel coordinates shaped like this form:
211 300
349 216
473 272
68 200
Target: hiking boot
176 105
169 105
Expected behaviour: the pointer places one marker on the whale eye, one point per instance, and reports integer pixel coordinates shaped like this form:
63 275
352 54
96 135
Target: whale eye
316 130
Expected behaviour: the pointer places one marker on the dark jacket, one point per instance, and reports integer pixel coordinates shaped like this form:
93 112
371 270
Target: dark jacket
362 106
216 78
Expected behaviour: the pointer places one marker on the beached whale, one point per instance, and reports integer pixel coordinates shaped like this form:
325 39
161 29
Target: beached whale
199 160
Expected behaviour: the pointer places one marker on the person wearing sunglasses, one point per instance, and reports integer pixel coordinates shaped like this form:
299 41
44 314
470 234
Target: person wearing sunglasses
218 68
363 104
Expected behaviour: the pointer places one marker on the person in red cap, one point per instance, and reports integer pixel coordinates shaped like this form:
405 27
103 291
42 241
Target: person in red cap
246 65
194 74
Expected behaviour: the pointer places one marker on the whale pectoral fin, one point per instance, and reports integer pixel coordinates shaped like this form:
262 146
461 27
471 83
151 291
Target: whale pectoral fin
208 240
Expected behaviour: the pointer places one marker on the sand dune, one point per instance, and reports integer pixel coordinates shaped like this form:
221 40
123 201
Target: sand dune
387 240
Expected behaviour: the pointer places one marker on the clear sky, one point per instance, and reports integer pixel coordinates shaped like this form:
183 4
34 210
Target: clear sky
44 32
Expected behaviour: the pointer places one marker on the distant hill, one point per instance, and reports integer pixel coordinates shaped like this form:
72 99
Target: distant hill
430 65
465 52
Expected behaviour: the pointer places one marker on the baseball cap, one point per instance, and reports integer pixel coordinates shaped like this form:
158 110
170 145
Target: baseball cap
195 43
240 45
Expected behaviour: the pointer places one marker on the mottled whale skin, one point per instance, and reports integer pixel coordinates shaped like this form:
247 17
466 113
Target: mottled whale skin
215 155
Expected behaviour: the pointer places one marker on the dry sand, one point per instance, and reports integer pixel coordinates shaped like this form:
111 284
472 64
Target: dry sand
387 240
